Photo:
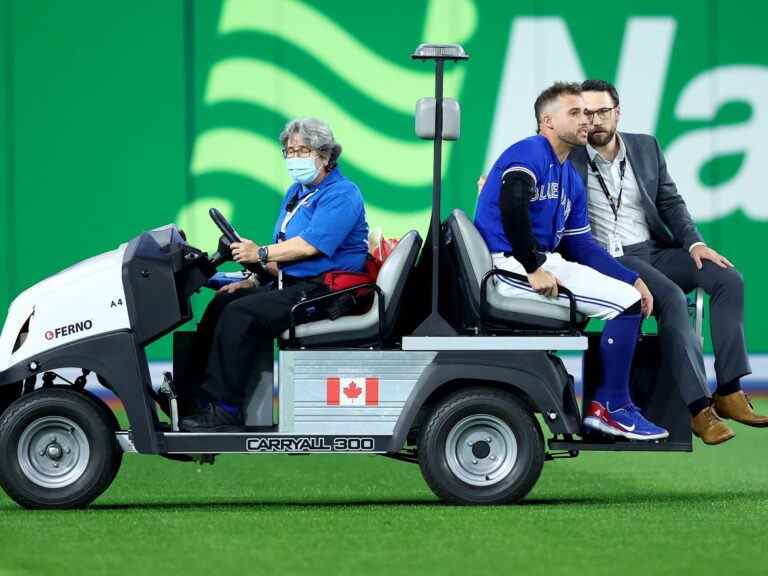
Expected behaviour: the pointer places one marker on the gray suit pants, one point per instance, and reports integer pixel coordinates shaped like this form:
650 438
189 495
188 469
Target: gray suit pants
670 273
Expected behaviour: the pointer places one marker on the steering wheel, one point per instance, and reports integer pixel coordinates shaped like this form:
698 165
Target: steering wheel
229 235
226 228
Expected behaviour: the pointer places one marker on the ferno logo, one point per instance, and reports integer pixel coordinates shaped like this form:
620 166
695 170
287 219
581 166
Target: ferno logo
68 330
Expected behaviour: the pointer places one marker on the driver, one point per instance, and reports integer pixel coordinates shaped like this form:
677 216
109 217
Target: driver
321 227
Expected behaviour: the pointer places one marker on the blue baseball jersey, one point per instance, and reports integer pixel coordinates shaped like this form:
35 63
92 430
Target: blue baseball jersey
557 204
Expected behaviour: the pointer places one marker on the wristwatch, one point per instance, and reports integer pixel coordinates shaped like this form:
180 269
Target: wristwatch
263 254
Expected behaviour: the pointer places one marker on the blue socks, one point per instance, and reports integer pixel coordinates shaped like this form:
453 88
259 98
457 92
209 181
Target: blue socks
230 409
617 348
729 387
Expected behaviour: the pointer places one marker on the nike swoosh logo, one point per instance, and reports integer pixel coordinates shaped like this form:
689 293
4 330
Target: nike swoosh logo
627 428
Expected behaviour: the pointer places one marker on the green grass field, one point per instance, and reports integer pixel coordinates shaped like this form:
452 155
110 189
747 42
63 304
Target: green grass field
700 513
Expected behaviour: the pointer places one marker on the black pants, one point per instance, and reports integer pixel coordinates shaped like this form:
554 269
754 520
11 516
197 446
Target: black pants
237 329
670 273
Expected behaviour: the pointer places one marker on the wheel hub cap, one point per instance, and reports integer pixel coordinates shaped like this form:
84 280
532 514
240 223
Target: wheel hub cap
53 452
481 450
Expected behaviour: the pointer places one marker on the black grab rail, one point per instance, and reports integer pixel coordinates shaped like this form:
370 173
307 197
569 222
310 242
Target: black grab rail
507 274
310 301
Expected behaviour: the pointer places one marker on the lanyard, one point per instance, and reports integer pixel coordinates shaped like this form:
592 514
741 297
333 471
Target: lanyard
289 214
615 206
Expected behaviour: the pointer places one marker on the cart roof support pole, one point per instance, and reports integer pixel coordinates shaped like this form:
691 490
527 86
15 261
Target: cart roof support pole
435 324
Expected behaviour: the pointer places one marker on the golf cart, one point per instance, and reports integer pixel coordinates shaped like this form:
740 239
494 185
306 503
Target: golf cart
451 378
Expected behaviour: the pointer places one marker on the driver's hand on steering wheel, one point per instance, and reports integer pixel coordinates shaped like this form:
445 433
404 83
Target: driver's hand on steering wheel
245 252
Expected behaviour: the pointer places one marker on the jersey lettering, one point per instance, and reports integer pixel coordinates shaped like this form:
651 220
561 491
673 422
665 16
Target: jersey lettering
557 201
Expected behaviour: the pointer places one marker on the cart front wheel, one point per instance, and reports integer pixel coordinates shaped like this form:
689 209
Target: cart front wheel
57 449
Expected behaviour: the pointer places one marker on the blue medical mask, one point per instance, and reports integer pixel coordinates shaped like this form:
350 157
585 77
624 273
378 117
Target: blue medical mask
302 170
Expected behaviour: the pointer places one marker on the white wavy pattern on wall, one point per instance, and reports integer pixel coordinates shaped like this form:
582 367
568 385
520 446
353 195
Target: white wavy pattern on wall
266 84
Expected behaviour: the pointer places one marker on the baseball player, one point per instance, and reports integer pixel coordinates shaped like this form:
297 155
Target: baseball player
532 213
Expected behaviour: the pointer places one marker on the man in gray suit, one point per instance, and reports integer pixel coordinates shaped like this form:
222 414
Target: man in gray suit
636 212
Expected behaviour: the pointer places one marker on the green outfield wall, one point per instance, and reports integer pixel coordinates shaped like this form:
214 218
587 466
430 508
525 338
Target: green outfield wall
122 116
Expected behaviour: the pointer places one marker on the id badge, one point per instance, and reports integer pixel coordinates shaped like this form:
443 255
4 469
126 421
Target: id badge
614 246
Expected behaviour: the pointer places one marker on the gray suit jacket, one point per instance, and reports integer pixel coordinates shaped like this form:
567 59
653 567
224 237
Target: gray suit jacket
665 211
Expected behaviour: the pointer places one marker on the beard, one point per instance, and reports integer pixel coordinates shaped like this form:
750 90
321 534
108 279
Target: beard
601 136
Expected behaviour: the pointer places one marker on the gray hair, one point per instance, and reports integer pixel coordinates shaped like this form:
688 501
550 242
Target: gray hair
317 135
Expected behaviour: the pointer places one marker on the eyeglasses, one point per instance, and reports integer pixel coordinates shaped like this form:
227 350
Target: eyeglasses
298 152
601 113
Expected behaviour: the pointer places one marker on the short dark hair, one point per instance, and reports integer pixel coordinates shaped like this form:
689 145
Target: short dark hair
551 94
601 86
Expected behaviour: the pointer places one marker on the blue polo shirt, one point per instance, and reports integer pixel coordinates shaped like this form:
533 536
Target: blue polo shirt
332 220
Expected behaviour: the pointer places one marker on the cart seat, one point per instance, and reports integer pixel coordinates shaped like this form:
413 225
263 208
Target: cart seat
364 328
473 262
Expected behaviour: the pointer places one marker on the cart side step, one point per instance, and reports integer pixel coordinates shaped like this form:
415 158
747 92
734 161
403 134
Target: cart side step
619 445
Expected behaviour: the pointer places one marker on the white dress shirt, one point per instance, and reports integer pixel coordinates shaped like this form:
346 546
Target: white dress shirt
630 227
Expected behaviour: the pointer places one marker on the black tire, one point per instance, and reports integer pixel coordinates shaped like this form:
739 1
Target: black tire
477 475
57 419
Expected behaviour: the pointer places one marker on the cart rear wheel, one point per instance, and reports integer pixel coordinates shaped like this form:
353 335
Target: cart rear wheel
57 449
481 446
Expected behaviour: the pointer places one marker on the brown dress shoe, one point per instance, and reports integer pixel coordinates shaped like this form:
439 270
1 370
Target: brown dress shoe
737 407
707 426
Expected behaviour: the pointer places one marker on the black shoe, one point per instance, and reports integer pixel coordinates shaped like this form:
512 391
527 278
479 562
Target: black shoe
212 418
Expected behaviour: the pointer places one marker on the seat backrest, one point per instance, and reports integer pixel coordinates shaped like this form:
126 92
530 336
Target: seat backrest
394 275
354 329
474 260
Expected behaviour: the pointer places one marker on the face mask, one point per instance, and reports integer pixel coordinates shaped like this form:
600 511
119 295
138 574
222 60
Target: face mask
302 170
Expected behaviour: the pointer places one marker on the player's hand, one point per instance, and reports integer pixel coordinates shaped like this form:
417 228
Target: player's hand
646 298
246 252
703 252
480 183
543 282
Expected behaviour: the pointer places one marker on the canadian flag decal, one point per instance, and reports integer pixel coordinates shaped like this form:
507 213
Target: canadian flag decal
355 391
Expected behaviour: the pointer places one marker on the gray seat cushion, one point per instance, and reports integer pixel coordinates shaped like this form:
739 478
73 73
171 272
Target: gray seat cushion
475 261
391 281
